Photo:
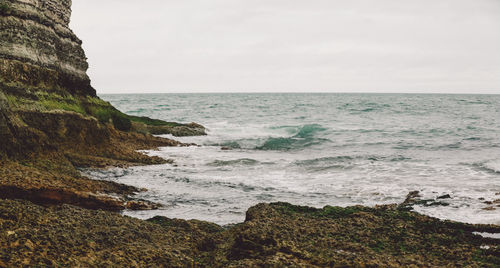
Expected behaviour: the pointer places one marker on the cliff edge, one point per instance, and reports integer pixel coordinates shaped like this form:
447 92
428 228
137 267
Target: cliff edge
38 50
51 120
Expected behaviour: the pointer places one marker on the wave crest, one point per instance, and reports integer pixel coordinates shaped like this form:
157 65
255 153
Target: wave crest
240 162
305 137
490 166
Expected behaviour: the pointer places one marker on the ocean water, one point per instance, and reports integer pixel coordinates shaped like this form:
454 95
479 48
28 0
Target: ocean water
321 149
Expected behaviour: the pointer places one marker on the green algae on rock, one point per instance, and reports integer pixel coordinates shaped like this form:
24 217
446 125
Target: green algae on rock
273 235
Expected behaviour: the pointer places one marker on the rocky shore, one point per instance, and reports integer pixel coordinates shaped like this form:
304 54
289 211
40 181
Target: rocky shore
52 123
273 235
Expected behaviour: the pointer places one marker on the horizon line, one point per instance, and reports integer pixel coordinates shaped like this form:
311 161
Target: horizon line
299 92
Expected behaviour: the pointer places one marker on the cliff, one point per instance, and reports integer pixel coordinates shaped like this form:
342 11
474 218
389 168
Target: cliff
51 120
38 50
43 69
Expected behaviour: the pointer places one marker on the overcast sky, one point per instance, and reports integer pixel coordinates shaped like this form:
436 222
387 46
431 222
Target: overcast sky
161 46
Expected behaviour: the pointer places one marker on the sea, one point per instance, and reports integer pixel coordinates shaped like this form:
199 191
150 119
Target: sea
320 149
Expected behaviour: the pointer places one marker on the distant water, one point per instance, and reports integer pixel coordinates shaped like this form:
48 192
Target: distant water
321 149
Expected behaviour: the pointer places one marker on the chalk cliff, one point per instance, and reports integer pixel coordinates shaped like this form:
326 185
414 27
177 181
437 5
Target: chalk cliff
51 120
38 50
42 70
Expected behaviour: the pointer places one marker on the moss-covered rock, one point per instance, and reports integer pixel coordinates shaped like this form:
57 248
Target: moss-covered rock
274 235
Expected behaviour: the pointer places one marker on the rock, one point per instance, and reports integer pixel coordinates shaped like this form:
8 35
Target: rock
159 127
489 208
50 118
141 205
273 235
178 131
74 237
39 51
411 198
29 244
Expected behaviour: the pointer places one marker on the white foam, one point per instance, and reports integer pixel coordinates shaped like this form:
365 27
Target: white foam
431 135
488 235
493 165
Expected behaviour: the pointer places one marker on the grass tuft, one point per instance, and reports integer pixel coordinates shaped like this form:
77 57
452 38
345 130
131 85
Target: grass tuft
51 104
108 114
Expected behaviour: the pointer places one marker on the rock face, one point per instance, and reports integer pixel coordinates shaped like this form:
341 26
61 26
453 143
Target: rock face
42 69
38 51
51 120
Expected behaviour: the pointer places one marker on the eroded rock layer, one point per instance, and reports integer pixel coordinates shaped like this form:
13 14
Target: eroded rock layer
38 50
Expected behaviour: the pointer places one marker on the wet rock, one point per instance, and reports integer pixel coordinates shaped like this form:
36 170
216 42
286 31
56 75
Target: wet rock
40 165
141 205
72 237
411 198
175 129
273 235
432 203
446 196
281 234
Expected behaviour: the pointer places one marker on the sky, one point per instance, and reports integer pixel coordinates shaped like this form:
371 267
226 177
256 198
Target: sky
403 46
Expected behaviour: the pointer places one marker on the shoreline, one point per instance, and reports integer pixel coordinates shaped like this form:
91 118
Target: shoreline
52 123
272 234
440 205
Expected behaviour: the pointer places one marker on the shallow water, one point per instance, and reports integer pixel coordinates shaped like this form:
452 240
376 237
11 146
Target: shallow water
321 149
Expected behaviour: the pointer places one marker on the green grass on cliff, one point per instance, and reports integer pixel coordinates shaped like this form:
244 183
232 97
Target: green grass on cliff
13 100
107 114
61 105
103 111
88 106
52 101
91 106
